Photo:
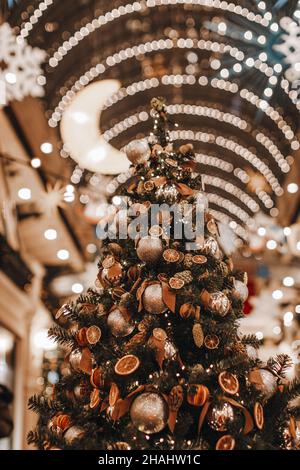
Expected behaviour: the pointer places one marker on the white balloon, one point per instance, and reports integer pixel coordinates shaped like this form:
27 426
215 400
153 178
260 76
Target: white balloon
80 130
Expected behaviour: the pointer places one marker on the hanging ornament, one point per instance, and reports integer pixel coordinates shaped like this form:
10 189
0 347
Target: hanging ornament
170 351
211 341
153 299
167 193
269 383
258 414
150 249
120 323
198 335
220 416
75 359
219 303
127 365
73 434
240 290
149 413
138 151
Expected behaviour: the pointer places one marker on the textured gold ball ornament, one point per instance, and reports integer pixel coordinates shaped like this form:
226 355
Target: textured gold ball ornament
240 290
149 413
220 416
153 299
137 151
119 325
73 434
150 249
219 303
251 351
210 247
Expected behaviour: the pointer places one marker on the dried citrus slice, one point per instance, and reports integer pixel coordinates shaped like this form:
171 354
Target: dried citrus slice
259 415
95 398
199 259
114 394
81 336
155 231
171 256
228 383
93 334
211 341
149 185
97 377
108 262
176 283
226 442
127 365
197 394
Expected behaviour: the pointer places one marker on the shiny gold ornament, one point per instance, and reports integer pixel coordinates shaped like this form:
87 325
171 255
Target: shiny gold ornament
149 412
120 323
73 434
150 249
137 151
153 299
220 416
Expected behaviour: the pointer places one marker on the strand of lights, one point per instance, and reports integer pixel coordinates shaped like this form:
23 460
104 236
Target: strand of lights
212 113
228 205
34 18
231 189
225 219
233 147
144 48
215 162
134 7
178 80
262 195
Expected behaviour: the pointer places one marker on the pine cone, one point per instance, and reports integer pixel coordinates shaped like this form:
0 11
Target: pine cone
188 260
222 269
185 276
135 341
198 335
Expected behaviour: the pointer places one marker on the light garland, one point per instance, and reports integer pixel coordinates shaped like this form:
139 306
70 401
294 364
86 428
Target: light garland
148 47
37 14
212 113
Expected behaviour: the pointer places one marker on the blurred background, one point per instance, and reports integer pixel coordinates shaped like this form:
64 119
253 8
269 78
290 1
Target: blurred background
76 79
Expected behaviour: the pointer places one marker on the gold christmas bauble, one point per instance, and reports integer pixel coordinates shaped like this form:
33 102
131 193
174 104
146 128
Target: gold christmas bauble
149 413
220 416
137 151
73 434
119 323
153 299
150 249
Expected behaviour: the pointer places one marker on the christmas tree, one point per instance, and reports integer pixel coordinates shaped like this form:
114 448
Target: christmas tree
155 359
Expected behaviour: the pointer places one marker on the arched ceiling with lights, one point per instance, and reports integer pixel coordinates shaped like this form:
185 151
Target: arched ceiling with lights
216 63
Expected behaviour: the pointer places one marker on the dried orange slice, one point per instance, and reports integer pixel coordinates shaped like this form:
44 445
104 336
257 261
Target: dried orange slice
226 442
171 256
228 383
95 398
97 377
81 336
155 231
149 185
259 415
199 259
197 394
93 334
127 365
114 394
176 283
108 262
211 341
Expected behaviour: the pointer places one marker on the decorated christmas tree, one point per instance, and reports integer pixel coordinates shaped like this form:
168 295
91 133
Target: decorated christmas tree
154 357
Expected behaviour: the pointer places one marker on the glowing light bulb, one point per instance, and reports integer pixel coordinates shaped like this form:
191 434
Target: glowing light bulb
277 294
24 193
63 254
50 234
288 281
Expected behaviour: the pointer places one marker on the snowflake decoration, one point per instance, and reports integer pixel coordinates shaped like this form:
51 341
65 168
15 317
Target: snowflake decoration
20 66
290 47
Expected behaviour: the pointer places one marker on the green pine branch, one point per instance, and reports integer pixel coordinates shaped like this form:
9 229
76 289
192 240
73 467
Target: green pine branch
62 336
292 391
40 404
280 364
